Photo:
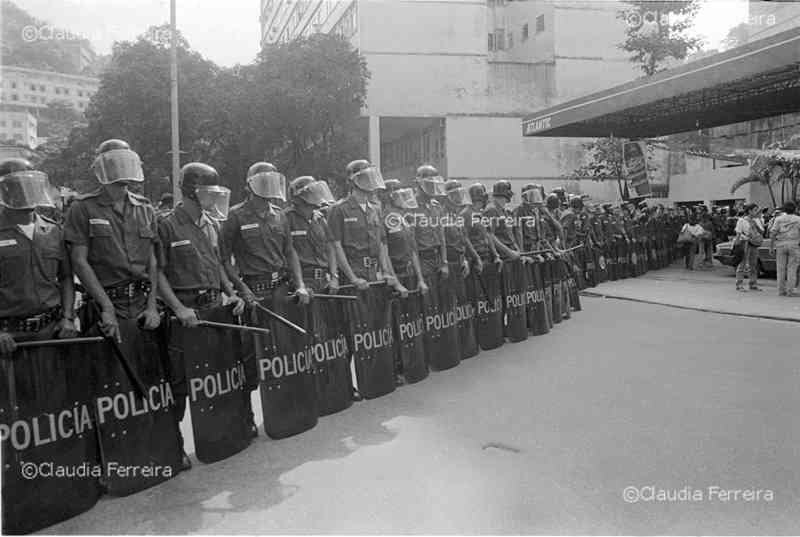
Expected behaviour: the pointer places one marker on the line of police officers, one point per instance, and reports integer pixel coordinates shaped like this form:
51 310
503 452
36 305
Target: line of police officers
455 264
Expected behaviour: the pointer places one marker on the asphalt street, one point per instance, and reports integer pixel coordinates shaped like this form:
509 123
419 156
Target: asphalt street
542 436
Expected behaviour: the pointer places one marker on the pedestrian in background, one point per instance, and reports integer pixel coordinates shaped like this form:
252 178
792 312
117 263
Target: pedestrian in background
749 236
690 248
706 239
785 245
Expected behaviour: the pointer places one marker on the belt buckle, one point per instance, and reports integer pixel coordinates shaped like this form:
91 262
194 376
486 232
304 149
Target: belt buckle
275 277
131 290
319 274
33 324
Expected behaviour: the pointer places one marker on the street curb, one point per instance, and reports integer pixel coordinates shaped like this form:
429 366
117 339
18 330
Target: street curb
690 308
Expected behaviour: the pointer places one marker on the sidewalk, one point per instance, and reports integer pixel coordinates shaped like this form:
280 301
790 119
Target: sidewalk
711 290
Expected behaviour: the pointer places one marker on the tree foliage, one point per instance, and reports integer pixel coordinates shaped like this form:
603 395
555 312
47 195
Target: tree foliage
296 106
656 32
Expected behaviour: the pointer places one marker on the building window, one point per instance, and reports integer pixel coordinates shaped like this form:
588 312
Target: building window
17 124
15 97
41 88
510 40
540 24
13 85
500 39
525 32
66 91
58 91
2 122
33 87
491 42
80 93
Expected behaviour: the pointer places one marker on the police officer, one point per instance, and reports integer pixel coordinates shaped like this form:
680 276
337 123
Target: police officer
514 279
258 238
410 363
441 343
112 238
359 239
530 238
36 286
553 237
456 204
483 284
192 276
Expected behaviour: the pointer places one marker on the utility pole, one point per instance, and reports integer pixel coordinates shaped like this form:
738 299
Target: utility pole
176 152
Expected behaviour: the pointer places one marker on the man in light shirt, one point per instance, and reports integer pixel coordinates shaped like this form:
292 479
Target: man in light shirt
785 243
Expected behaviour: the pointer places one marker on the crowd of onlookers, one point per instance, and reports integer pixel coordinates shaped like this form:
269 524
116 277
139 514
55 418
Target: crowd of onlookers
749 227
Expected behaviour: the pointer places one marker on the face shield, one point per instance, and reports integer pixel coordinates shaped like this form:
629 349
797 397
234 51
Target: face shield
214 200
317 194
118 165
268 185
433 186
403 198
368 179
459 197
532 196
25 190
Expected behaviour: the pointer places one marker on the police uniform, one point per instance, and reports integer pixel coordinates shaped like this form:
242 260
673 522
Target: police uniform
311 239
428 233
361 233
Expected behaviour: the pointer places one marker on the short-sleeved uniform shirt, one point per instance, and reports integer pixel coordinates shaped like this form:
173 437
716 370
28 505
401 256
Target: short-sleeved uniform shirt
360 231
258 237
189 258
476 232
400 241
30 268
427 221
310 238
500 219
529 223
454 236
120 243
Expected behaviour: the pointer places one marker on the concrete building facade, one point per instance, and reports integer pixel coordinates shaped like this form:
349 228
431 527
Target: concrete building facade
18 126
451 79
33 88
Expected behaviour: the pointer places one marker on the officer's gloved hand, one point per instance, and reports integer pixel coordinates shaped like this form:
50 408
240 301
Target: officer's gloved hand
303 295
149 319
526 260
7 344
401 290
479 266
65 329
361 284
109 325
187 317
499 262
444 271
423 287
239 304
248 296
465 268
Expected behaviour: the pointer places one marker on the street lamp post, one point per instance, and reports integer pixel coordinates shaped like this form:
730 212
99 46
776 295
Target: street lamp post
176 156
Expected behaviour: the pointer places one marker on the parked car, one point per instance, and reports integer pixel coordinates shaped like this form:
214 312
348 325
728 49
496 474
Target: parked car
766 260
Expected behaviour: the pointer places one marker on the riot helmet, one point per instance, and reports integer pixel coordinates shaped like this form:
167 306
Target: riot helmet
22 187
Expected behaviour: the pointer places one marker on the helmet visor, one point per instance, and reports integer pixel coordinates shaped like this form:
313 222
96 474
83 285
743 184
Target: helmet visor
534 196
316 194
433 186
118 165
25 190
459 196
404 198
268 185
214 200
368 180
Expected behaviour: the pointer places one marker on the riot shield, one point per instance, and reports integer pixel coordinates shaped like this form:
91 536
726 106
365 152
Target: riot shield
573 271
486 291
537 306
215 378
557 287
285 369
442 348
409 334
600 264
611 260
547 283
590 266
515 301
371 340
564 275
51 467
325 322
135 432
465 314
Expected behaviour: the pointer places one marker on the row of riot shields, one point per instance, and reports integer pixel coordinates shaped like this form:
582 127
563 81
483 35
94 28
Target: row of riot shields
82 419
